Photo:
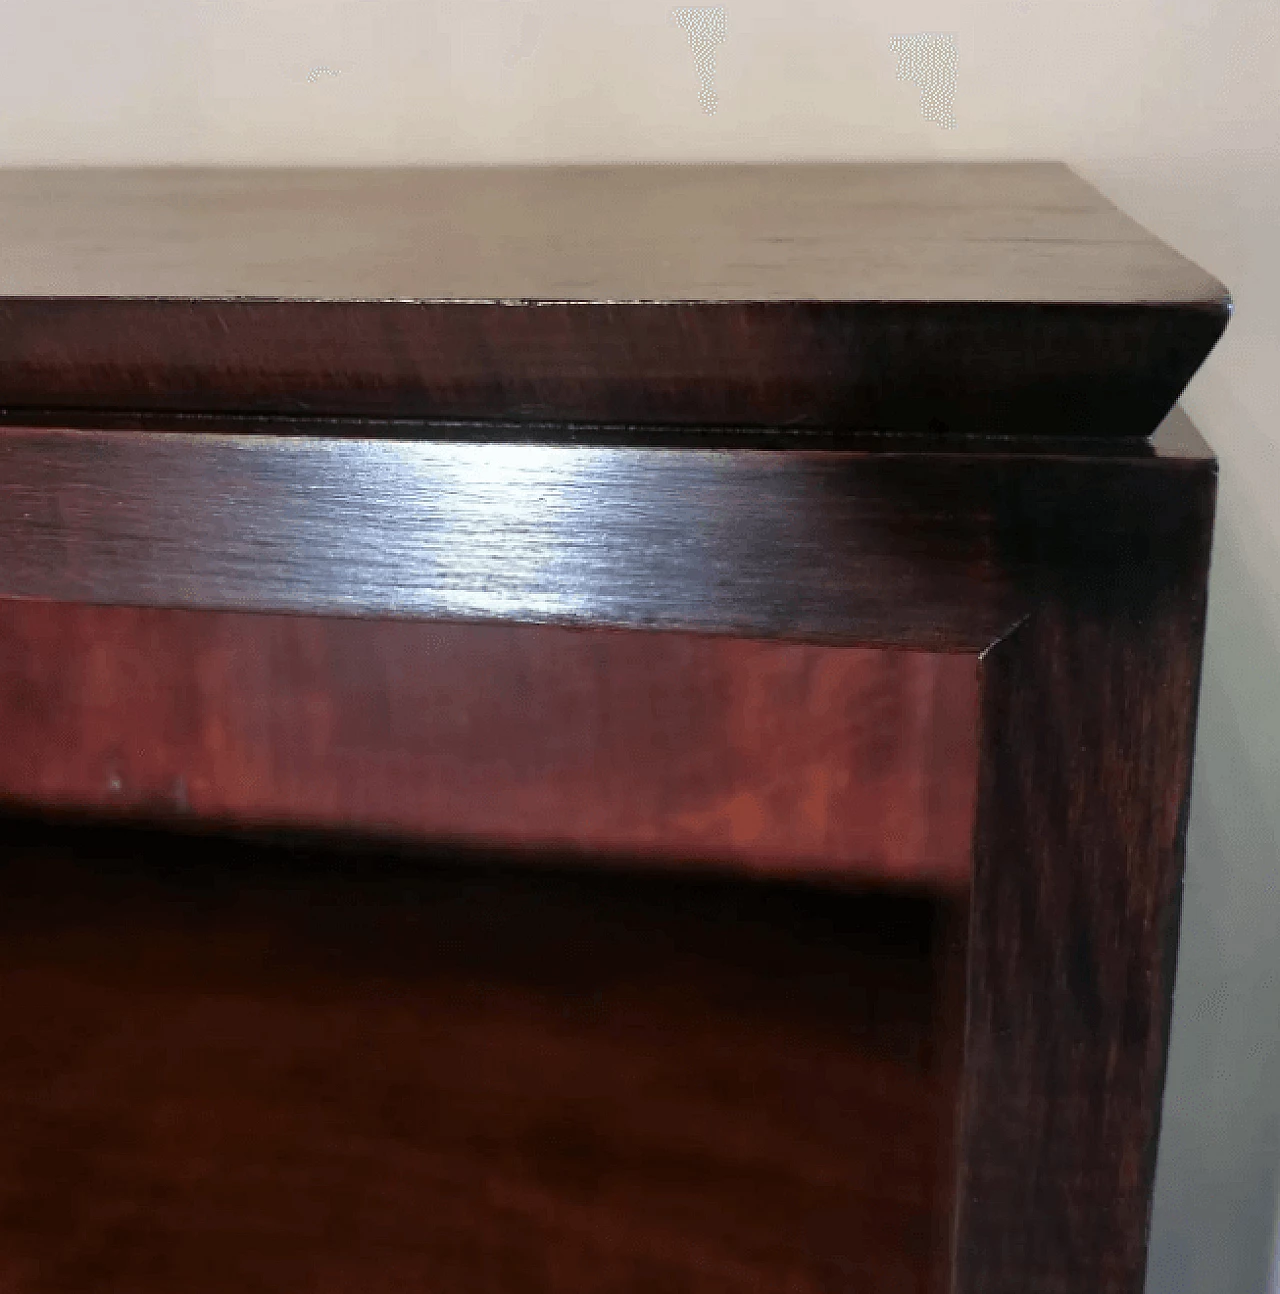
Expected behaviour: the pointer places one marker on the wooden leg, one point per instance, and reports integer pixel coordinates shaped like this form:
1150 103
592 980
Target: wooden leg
1089 712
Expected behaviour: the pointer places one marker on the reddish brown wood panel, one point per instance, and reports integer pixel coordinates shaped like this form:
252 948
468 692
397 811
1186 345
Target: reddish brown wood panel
222 1070
781 757
955 369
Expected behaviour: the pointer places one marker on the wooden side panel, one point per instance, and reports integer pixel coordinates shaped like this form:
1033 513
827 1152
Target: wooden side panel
1089 718
780 757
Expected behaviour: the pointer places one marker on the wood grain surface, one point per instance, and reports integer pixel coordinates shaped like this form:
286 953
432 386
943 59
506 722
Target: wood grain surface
901 543
613 401
1088 723
1073 580
999 298
673 748
871 231
232 1069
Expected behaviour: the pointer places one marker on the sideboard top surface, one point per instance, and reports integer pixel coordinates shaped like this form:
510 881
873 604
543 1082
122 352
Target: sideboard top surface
977 298
866 232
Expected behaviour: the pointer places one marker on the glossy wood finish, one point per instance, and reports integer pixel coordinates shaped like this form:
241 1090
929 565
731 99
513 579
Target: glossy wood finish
1089 720
353 501
1071 580
1006 299
225 1068
683 750
903 543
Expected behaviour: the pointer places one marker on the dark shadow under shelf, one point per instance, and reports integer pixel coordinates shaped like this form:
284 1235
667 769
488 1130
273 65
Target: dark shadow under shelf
227 1066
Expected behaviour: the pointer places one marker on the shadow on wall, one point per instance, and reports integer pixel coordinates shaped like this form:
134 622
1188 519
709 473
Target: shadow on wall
1218 1178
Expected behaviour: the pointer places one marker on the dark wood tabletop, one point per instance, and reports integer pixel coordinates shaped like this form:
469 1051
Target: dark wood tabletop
868 232
976 297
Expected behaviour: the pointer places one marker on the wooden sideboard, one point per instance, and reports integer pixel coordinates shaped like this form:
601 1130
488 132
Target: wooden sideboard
605 729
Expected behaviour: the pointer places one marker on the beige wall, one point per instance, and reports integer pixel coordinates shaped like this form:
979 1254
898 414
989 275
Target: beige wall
1171 106
430 80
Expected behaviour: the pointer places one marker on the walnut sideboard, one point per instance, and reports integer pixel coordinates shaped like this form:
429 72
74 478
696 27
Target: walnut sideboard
595 729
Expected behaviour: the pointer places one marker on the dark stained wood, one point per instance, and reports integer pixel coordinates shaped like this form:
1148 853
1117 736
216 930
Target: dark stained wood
687 750
615 400
994 231
1088 721
1006 299
906 543
1072 580
229 1069
603 435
